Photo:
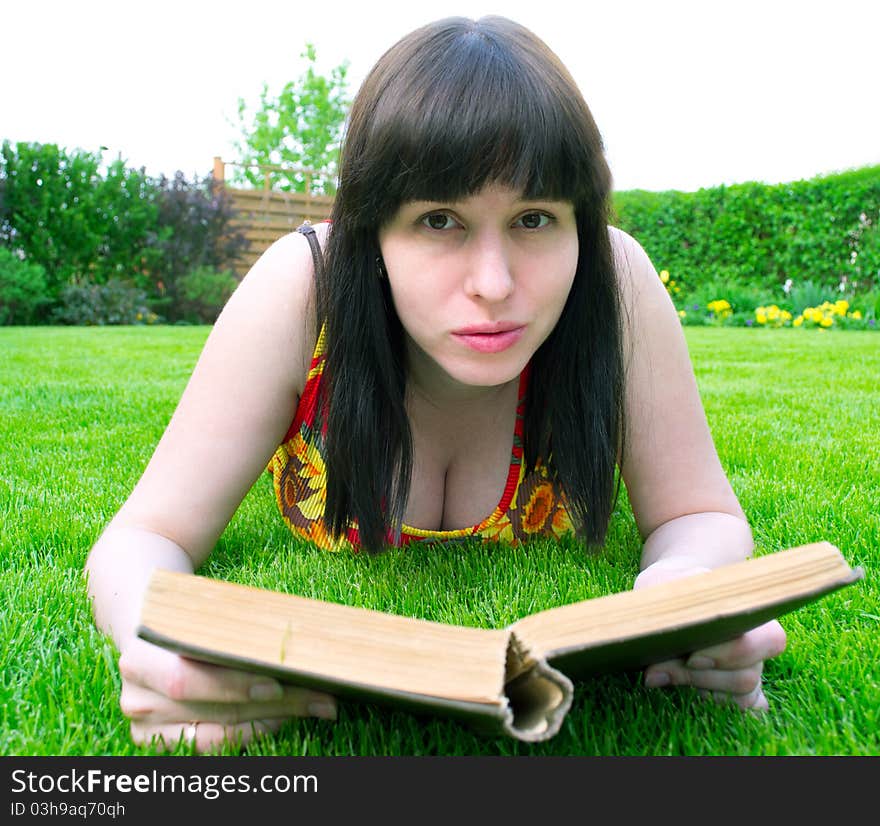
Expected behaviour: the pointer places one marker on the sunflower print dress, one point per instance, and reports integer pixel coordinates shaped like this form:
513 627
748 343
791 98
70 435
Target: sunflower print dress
531 506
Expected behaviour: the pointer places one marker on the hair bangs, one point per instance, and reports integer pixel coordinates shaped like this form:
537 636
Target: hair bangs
498 134
466 111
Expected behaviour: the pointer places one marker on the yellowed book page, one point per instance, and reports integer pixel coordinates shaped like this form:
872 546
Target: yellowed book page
343 643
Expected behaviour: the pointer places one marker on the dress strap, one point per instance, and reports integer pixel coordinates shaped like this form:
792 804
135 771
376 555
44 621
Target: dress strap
305 411
306 228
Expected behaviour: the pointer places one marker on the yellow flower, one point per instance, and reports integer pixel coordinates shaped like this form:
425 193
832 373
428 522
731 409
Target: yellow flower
798 321
786 315
720 307
826 321
139 316
760 316
681 313
856 314
840 307
664 276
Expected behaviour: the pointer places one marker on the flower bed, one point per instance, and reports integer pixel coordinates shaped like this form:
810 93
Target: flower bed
800 307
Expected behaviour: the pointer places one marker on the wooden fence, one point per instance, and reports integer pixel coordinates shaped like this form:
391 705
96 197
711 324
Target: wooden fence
265 215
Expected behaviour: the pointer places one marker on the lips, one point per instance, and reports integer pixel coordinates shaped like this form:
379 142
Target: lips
497 339
488 329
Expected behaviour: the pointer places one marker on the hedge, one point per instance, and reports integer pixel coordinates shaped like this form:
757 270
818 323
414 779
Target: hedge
826 230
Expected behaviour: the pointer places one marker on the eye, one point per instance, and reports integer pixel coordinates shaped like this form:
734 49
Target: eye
439 221
534 220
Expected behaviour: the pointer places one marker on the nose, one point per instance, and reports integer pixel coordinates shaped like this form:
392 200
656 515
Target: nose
489 273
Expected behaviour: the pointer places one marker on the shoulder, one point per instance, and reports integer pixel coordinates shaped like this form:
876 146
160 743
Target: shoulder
287 264
634 268
279 290
643 297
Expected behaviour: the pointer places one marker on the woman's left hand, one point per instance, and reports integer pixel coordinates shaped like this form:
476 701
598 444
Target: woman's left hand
729 672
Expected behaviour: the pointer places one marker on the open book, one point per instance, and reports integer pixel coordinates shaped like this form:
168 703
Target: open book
515 680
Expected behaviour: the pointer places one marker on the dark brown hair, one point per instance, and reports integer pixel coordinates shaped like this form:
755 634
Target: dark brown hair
451 107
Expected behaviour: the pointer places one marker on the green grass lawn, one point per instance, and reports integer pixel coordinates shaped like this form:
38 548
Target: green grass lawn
796 421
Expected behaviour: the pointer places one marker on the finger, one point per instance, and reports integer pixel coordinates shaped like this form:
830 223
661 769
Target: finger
189 680
149 707
660 674
202 737
759 644
738 682
754 700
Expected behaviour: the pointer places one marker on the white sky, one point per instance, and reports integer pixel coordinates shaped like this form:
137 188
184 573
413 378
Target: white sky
686 94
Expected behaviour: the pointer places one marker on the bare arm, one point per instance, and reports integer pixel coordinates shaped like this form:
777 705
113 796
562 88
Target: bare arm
234 412
685 508
681 497
119 568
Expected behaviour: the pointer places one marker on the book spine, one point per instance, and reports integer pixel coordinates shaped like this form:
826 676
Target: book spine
537 696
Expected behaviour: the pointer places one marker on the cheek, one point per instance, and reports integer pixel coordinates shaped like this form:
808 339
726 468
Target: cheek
410 275
419 284
416 298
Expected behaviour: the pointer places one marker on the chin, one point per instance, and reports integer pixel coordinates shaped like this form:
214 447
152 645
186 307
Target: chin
486 371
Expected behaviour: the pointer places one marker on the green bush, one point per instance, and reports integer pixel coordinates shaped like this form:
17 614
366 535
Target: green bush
22 289
116 302
806 294
870 302
195 234
824 229
203 293
83 222
741 297
75 219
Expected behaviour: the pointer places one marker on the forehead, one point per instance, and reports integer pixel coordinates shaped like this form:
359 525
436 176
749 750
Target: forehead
495 195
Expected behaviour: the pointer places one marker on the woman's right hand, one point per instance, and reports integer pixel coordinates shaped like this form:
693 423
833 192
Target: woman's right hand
171 698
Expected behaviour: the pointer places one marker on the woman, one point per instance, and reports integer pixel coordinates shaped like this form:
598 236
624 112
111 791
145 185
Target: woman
475 338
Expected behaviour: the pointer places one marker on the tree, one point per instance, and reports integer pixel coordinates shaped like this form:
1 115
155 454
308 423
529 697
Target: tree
301 128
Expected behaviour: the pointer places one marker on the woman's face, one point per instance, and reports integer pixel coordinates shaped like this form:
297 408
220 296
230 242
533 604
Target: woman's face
490 261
